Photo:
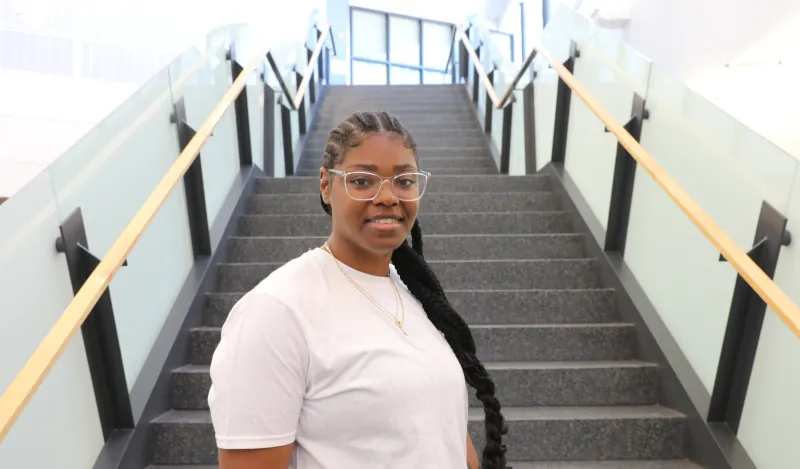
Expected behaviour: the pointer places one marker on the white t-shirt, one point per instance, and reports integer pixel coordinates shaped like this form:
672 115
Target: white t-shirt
306 358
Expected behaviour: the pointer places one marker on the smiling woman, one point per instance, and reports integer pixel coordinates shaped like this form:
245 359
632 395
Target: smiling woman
350 356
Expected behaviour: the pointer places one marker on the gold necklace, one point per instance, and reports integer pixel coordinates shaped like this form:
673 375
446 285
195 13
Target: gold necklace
397 322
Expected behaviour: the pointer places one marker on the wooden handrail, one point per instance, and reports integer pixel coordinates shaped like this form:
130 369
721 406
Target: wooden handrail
479 67
765 287
27 382
312 62
297 100
498 103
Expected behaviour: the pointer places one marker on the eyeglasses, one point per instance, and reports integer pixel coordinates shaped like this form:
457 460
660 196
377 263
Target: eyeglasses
363 185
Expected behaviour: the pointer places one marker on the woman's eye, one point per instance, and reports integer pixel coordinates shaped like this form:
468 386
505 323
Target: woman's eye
361 181
405 182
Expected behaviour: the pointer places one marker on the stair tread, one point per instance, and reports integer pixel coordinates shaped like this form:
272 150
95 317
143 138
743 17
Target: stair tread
630 464
511 413
580 413
506 366
587 325
466 235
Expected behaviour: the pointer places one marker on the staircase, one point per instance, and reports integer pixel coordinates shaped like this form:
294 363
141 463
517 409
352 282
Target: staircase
566 368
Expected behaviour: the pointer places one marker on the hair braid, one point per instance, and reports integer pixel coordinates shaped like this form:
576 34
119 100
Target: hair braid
421 281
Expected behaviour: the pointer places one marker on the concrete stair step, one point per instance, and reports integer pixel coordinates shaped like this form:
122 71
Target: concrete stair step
587 433
318 224
437 247
427 163
477 183
505 343
518 384
479 275
489 307
438 172
639 464
319 138
297 204
577 433
423 153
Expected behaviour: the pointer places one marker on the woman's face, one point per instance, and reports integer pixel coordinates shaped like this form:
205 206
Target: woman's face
358 221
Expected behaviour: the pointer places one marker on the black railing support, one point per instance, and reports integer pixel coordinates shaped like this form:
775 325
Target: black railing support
463 62
745 319
563 98
99 331
489 107
622 187
312 88
529 112
505 146
193 185
476 78
301 108
241 114
269 130
286 127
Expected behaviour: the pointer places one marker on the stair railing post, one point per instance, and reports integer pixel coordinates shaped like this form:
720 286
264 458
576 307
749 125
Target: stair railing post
622 187
563 98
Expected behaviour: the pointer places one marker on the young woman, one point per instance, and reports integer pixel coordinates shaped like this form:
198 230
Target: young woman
350 356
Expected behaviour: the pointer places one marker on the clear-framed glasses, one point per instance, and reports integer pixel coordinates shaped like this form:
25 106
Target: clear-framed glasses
364 185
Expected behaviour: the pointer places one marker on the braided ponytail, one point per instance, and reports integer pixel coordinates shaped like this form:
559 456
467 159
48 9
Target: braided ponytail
421 281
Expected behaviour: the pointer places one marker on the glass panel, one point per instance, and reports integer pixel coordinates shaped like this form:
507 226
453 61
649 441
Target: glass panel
517 161
503 42
435 44
368 36
612 72
729 170
435 78
201 79
768 430
61 418
365 73
109 174
404 45
403 76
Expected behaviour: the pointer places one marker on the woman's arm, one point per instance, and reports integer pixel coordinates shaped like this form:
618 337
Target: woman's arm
269 458
472 455
258 379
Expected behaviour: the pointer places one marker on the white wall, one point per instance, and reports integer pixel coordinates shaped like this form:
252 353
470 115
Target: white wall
65 64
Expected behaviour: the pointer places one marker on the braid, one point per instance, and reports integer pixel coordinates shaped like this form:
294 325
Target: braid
421 281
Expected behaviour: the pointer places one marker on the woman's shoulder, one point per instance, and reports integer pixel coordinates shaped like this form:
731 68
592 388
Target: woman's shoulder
297 282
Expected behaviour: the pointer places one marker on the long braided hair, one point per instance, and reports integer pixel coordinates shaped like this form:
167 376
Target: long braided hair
423 284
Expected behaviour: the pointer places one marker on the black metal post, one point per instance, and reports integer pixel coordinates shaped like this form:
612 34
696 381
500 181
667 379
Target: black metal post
563 98
99 331
301 108
476 78
421 56
321 58
489 107
269 130
286 126
463 61
523 27
529 112
744 323
193 185
505 147
622 188
241 114
312 95
388 54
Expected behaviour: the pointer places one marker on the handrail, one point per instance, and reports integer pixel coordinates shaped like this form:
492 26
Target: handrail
765 287
27 382
297 100
498 103
479 67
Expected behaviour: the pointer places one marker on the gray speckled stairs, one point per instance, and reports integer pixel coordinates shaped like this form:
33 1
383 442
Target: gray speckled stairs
574 393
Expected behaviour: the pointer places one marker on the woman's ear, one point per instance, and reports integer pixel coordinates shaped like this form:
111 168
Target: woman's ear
325 185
